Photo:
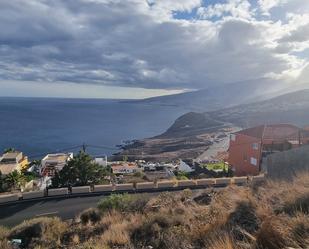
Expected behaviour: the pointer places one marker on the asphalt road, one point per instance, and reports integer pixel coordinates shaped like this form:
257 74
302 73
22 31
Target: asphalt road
66 208
63 207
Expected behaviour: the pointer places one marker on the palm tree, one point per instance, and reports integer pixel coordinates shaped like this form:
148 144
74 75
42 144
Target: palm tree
14 179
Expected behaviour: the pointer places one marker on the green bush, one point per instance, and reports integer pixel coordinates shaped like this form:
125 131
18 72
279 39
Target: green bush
123 203
138 174
182 175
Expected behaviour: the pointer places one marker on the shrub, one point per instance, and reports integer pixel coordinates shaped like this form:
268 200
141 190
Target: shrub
154 230
181 175
300 204
273 234
222 241
123 203
245 218
48 230
203 199
116 235
3 232
90 215
300 230
3 235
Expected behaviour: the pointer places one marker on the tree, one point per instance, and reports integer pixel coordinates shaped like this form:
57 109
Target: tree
14 179
80 171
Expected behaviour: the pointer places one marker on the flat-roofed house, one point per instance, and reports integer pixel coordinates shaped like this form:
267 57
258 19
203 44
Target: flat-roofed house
124 167
249 146
11 161
53 163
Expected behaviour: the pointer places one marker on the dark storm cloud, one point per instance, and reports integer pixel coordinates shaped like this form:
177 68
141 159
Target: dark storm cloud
131 43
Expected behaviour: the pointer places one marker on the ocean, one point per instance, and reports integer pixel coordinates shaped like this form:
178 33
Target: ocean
38 126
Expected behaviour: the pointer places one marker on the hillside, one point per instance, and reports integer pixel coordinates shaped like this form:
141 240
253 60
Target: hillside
270 215
221 96
192 133
191 124
288 108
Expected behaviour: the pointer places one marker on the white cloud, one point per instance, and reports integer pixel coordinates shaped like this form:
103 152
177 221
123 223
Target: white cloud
136 43
235 8
267 5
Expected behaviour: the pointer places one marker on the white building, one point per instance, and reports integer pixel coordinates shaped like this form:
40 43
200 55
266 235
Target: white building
184 167
52 163
101 161
11 161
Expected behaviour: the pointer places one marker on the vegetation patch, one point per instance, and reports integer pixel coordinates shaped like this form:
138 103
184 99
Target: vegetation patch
233 218
46 230
123 203
90 216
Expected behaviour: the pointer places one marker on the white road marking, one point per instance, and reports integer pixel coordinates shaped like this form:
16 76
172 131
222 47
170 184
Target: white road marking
45 214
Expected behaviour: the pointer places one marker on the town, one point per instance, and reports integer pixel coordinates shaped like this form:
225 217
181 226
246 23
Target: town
251 152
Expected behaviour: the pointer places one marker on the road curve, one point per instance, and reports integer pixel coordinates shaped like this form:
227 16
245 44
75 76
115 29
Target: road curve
65 207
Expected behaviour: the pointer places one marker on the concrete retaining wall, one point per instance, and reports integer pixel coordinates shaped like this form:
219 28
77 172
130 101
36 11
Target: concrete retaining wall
223 180
127 186
258 178
80 190
186 183
33 194
205 182
102 188
145 185
166 184
57 191
8 198
239 180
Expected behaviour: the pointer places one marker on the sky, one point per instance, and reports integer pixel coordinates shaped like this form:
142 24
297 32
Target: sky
144 48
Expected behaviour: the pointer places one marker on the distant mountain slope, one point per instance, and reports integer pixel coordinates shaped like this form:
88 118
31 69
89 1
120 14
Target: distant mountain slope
189 136
288 108
191 124
221 96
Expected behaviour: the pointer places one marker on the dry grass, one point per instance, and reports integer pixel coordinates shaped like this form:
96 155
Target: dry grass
4 232
117 235
273 215
48 230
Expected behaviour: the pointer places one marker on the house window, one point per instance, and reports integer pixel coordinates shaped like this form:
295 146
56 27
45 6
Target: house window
255 146
233 137
253 161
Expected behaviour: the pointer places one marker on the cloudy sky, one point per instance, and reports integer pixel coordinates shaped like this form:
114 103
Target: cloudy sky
142 48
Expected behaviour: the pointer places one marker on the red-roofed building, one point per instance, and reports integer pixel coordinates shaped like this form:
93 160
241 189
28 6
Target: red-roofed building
249 146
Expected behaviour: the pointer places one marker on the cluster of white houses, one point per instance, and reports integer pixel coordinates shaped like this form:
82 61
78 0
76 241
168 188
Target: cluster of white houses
53 163
247 148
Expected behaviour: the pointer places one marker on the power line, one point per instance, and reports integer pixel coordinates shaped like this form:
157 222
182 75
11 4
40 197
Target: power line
83 147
